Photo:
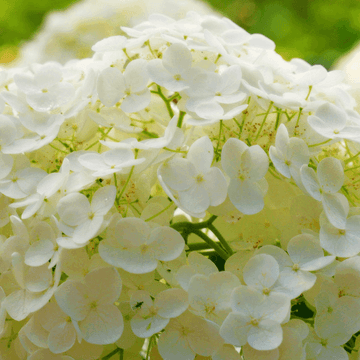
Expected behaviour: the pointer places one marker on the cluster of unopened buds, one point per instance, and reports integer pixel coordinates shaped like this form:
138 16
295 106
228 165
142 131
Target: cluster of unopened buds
179 196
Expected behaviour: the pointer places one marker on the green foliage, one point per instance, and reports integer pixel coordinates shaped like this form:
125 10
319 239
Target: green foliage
318 31
20 19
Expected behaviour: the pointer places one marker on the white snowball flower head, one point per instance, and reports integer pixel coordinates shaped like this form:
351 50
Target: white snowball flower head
246 166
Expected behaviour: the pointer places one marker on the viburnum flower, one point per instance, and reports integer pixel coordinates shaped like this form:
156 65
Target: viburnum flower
197 264
112 86
147 144
333 122
209 91
22 179
151 316
91 304
8 132
209 296
62 331
81 219
305 255
136 247
255 319
289 154
198 185
324 186
35 287
43 247
173 71
343 242
109 162
292 346
188 335
45 89
246 166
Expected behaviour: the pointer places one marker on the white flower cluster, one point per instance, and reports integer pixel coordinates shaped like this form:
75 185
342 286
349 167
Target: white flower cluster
262 157
70 33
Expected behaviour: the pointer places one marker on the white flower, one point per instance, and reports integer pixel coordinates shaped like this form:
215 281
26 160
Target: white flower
84 219
198 185
151 316
8 132
246 166
211 90
198 264
22 180
209 296
173 71
112 86
62 331
91 304
109 162
45 89
188 335
343 242
324 185
136 248
305 255
43 247
289 155
255 319
332 122
36 284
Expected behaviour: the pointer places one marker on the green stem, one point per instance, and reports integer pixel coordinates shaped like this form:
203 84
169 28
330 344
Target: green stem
277 118
263 122
175 151
149 348
151 50
105 135
318 144
297 121
90 146
54 147
352 158
181 118
211 243
167 102
186 224
353 168
221 239
159 213
198 246
126 184
218 143
308 94
110 355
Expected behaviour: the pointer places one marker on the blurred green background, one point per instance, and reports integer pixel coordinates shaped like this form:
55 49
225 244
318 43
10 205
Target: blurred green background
319 31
